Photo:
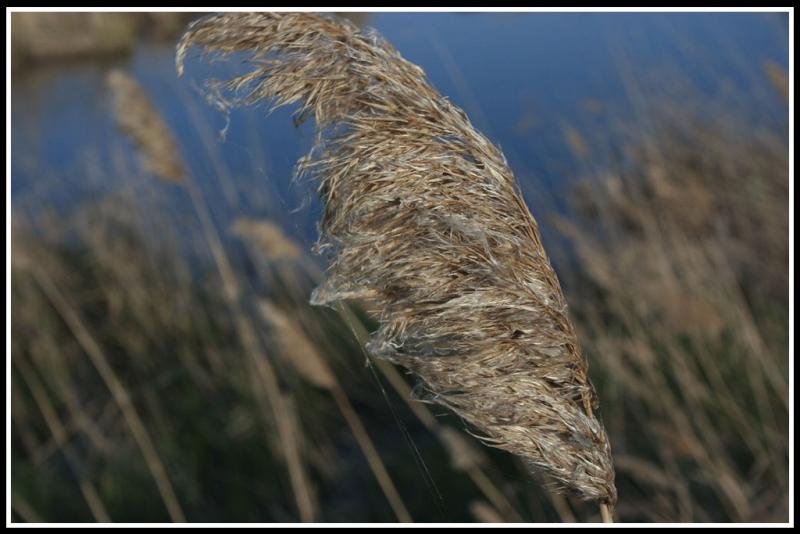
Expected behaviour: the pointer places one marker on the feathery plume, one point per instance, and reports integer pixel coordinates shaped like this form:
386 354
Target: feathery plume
463 456
136 116
424 222
297 348
268 238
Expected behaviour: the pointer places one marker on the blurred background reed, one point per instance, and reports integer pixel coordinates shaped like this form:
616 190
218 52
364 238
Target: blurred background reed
166 365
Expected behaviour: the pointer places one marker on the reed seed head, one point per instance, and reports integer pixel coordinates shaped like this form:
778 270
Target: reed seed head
463 455
138 118
424 221
268 239
296 348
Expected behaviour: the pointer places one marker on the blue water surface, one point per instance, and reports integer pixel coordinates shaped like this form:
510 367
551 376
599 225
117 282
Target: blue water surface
524 79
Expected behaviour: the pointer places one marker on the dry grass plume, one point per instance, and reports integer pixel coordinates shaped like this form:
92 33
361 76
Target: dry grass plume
424 222
137 117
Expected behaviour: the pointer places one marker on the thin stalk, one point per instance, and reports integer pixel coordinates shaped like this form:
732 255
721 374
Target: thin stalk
371 454
301 353
121 396
263 367
61 437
